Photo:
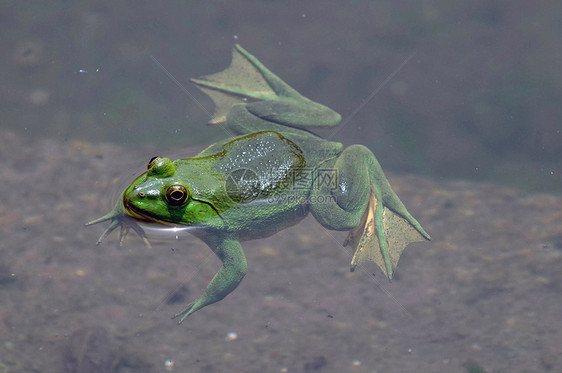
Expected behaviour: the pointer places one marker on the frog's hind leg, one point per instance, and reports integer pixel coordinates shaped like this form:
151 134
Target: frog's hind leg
380 226
243 122
249 83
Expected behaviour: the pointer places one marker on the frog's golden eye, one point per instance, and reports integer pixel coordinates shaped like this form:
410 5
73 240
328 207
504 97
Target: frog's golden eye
152 162
176 195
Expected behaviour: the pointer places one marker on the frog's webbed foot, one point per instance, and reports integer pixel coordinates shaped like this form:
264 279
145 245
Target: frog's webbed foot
382 235
247 81
118 219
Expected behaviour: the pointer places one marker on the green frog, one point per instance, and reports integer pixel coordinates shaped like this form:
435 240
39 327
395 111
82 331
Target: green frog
267 176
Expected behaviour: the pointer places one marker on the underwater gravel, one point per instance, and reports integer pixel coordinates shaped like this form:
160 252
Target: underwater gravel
486 289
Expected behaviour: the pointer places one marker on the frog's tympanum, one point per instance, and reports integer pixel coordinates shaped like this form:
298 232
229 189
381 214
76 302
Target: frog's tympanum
267 176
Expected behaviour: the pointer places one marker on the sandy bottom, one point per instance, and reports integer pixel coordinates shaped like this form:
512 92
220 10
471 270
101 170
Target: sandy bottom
486 289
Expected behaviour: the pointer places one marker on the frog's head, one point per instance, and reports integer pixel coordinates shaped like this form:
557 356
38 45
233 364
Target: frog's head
160 196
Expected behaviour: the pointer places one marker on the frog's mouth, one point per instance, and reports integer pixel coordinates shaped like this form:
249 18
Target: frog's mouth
142 216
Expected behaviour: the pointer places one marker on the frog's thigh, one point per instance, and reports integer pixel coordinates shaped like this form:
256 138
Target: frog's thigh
340 205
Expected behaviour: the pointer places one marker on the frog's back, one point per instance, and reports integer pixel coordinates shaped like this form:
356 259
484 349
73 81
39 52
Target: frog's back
267 179
273 157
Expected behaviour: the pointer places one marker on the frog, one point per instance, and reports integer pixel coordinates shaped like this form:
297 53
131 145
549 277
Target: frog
268 174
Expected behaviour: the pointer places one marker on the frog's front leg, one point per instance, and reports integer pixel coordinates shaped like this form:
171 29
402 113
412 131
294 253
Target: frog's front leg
362 201
227 278
118 218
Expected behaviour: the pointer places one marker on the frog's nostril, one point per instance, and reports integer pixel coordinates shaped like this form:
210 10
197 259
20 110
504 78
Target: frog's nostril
141 195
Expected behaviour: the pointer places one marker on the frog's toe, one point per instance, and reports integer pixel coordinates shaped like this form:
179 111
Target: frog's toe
184 313
138 230
126 227
122 221
114 224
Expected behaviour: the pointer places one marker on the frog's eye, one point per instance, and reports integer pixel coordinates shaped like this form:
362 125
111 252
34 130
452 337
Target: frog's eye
177 194
153 161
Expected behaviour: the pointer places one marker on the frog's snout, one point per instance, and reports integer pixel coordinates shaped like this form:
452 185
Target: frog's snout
137 197
134 202
136 193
